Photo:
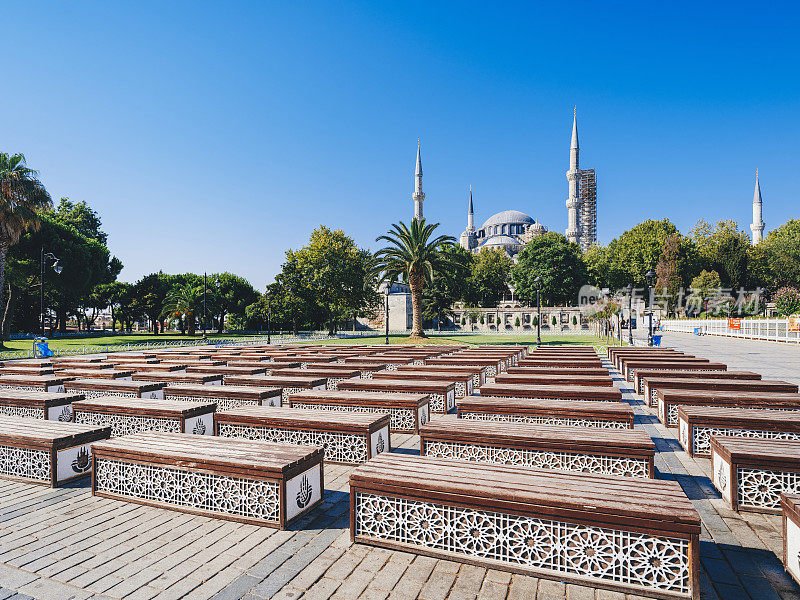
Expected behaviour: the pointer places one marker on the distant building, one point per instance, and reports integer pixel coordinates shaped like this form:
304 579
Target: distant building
757 227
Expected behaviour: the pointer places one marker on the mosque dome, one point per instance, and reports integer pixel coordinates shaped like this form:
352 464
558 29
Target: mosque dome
507 217
501 240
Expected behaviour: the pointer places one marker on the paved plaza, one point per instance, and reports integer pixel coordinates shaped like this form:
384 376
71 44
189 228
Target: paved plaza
64 543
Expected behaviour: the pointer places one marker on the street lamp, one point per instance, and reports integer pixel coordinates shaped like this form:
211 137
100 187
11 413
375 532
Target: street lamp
649 279
56 267
205 285
537 283
630 314
217 285
386 312
269 318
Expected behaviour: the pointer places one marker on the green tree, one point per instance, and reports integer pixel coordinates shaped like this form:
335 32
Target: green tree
448 286
782 254
706 285
82 217
112 294
183 302
637 251
723 249
22 196
230 295
787 301
413 254
151 292
602 273
674 268
489 278
558 263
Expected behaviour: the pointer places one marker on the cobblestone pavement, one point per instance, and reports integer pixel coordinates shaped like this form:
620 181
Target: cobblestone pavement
62 544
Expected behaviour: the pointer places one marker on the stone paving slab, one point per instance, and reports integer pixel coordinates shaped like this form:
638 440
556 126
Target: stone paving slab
64 543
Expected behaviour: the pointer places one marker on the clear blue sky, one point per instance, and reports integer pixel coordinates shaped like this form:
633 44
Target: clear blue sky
215 136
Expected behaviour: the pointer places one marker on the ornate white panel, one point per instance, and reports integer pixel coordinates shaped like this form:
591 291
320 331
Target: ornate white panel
128 424
223 404
605 555
303 491
100 393
793 548
202 491
543 420
400 419
27 388
71 462
339 447
761 488
564 461
25 462
287 391
720 476
22 411
702 436
683 434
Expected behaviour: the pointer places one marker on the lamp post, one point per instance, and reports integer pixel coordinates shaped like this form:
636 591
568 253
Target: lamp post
217 285
630 314
205 285
537 283
56 267
386 312
649 279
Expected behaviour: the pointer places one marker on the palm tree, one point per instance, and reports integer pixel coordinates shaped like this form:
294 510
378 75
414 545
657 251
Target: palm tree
413 256
181 303
22 195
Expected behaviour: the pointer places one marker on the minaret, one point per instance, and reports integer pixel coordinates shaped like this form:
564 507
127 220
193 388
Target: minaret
469 238
574 177
418 195
757 226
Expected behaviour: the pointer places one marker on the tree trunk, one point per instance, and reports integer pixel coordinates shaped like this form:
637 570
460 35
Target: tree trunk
191 323
3 255
113 320
4 328
221 324
415 282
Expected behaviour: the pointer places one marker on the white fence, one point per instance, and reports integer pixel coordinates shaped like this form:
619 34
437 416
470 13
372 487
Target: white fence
773 330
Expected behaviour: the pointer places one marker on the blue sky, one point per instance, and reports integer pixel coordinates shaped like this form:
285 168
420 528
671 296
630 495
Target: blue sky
215 136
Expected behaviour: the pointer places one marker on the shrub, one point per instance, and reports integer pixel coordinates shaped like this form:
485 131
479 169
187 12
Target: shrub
516 322
787 301
483 319
463 320
535 321
574 320
555 321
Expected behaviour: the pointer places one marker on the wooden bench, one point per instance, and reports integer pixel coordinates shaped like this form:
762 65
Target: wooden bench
463 380
751 474
155 367
51 406
332 376
407 412
576 413
26 370
492 365
629 368
790 509
554 379
441 394
172 378
559 392
126 416
556 370
615 353
95 388
81 364
46 452
384 362
288 385
478 372
504 359
627 452
228 370
669 401
561 361
33 383
96 374
653 384
348 437
641 374
248 481
632 535
226 397
696 425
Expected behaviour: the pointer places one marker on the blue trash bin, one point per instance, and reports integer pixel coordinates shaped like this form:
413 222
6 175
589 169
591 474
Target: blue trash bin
656 340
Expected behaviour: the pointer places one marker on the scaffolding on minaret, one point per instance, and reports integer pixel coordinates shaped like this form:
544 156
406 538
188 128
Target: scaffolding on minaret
588 209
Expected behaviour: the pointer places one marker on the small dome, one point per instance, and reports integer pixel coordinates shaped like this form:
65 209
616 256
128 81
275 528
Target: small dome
537 226
508 217
501 240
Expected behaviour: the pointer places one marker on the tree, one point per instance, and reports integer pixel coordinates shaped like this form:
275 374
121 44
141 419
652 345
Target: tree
22 196
151 291
602 273
82 217
637 251
489 279
448 286
706 285
112 294
723 249
673 268
558 263
231 297
787 301
413 254
182 303
782 254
